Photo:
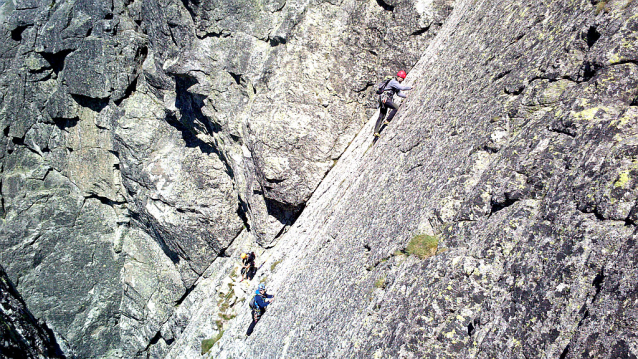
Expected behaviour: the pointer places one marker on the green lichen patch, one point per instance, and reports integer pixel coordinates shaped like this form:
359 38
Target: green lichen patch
224 306
380 283
274 265
225 303
398 253
227 317
591 114
423 246
602 6
623 179
208 343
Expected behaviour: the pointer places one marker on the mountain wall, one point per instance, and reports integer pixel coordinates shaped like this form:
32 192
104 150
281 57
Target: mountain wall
517 151
142 139
148 143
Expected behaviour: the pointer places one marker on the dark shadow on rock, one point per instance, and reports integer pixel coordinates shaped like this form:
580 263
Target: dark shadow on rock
56 60
420 31
65 123
190 107
385 6
191 141
152 228
588 70
190 104
497 205
285 214
128 92
95 104
242 212
592 36
16 34
191 6
236 77
277 40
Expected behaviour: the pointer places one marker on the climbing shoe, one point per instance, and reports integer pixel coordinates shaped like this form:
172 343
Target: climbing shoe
386 122
377 134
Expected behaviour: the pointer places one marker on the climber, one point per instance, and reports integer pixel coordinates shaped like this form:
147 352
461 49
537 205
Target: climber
248 266
258 305
389 89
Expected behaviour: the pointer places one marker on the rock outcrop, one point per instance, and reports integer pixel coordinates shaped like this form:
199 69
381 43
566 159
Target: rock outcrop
21 336
148 143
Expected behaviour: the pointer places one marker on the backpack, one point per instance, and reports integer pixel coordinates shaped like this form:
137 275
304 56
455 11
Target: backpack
382 85
253 304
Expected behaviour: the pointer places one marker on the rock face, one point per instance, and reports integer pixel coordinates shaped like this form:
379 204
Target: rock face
141 139
147 143
284 102
517 151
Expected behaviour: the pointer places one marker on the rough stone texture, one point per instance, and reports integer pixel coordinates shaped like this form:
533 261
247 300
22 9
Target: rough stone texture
517 150
177 186
21 336
207 311
152 287
59 247
140 138
284 102
147 143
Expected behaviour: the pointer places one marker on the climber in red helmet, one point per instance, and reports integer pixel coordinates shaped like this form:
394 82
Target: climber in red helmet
387 91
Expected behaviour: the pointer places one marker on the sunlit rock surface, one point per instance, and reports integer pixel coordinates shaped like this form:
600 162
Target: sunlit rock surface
141 139
146 144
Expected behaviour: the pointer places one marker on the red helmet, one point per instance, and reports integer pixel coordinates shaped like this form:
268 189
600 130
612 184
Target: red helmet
401 74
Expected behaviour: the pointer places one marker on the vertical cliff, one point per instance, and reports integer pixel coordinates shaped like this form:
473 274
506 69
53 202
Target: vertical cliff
516 158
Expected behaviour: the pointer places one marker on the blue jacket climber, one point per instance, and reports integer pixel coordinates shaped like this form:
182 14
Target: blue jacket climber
258 305
260 300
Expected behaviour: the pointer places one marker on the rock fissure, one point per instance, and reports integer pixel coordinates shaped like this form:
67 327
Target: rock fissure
56 60
385 6
16 34
221 34
592 36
